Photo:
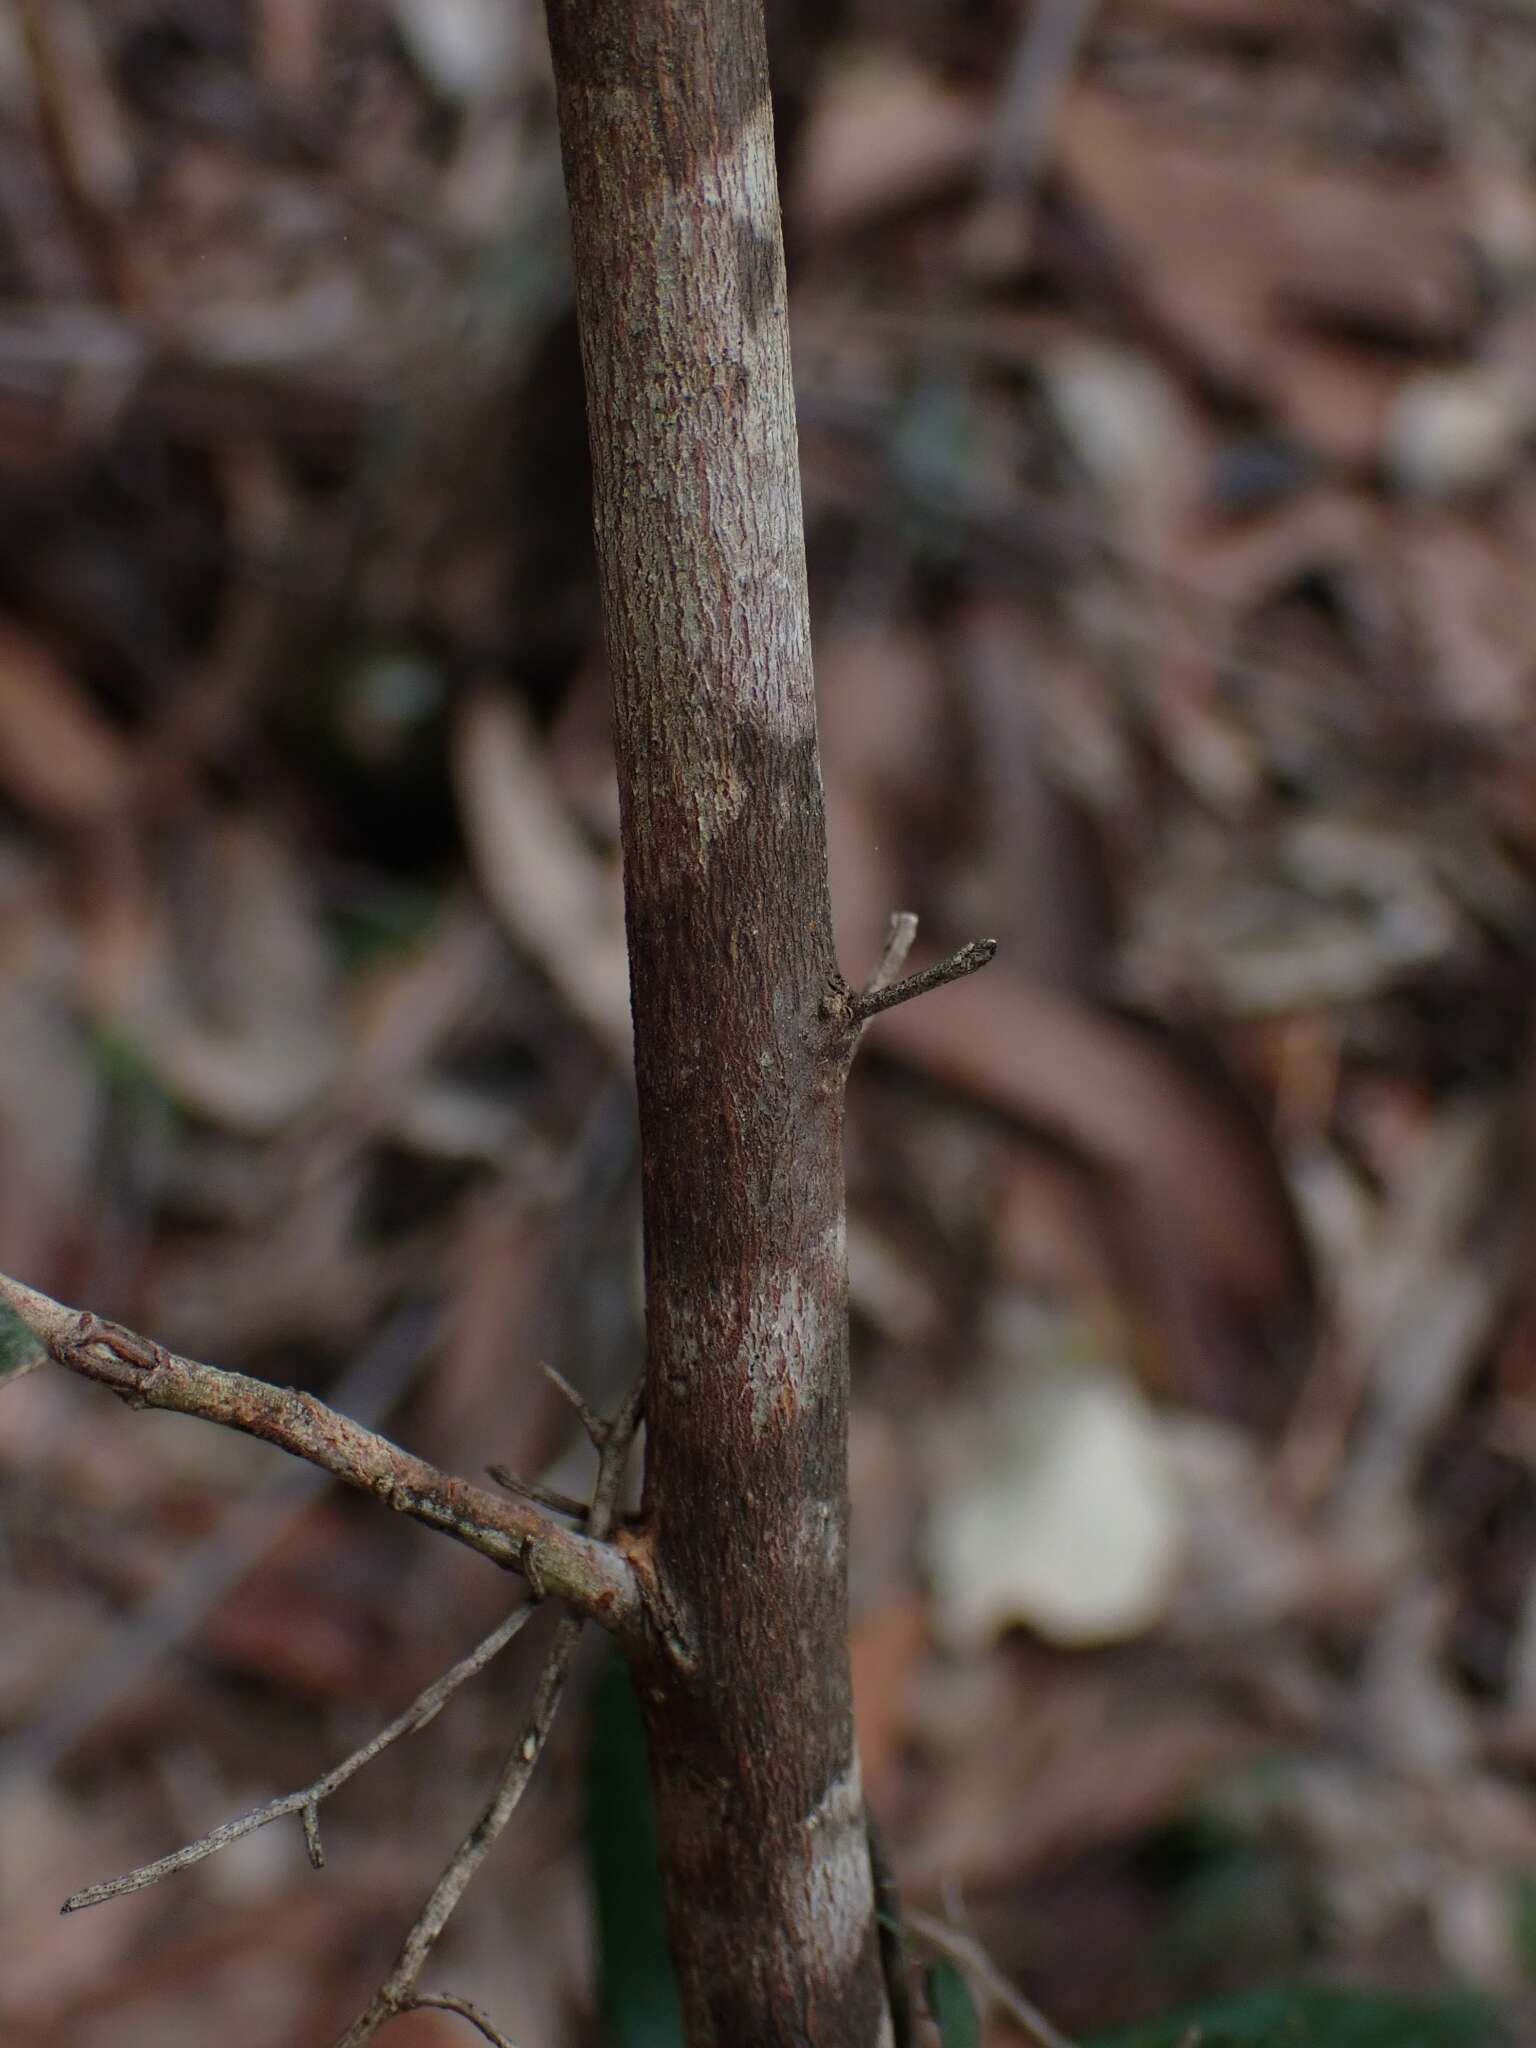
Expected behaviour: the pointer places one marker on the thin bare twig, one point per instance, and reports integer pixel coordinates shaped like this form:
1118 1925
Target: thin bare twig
83 133
968 1956
593 1423
550 1497
515 1531
872 1000
398 1991
447 2001
1044 60
246 1531
1047 54
422 1709
898 944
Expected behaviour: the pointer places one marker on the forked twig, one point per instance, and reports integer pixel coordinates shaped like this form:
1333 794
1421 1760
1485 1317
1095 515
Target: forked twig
886 987
398 1991
594 1424
424 1708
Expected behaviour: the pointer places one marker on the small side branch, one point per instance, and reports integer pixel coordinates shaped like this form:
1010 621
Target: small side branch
899 936
447 2001
883 993
306 1802
398 1992
517 1532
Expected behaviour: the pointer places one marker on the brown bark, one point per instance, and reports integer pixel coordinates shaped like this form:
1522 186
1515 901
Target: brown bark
743 1027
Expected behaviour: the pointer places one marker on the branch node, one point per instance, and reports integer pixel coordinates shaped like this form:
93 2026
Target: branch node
306 1802
875 998
130 1359
595 1425
537 1590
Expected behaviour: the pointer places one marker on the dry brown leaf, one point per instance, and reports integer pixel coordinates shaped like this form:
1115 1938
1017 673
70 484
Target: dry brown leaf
496 1263
51 1105
1039 887
554 894
1416 1312
1211 1277
402 1013
1050 1232
1017 1749
289 39
59 759
296 1624
879 710
46 1839
1470 592
1339 401
1112 1092
1232 241
888 1644
1134 435
883 133
138 1998
238 1008
1238 567
309 1278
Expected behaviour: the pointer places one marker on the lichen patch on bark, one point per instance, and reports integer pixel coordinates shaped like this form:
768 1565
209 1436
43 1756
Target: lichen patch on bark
781 1347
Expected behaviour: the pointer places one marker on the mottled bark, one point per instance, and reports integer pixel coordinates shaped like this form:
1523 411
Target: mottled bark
743 1027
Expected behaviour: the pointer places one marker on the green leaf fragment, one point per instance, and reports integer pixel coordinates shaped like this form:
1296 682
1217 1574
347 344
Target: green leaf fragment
953 2009
1317 2019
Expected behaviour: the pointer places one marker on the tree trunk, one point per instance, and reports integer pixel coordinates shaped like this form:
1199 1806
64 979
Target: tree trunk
742 1024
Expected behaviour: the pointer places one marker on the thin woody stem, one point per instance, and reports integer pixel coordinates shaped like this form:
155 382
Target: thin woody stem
398 1991
516 1532
422 1709
877 996
446 2001
899 936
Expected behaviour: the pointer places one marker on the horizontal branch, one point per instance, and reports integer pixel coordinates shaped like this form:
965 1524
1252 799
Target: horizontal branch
516 1532
899 937
306 1802
884 994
